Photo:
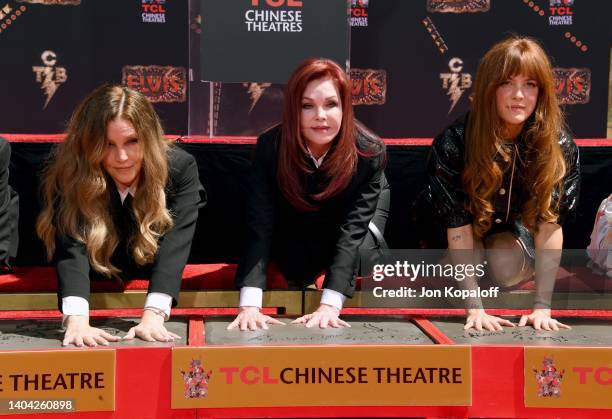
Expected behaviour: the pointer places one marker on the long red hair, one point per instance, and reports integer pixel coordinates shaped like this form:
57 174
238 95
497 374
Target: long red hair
341 160
482 176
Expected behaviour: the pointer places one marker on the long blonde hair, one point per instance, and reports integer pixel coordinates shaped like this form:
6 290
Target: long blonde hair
482 176
77 190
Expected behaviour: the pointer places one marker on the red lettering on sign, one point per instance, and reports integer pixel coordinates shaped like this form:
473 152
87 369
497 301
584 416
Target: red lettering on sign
229 374
602 375
244 377
583 373
359 12
599 376
249 375
365 87
278 3
561 11
266 377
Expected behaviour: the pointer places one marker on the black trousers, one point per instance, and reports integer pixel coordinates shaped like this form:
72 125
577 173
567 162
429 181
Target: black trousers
9 210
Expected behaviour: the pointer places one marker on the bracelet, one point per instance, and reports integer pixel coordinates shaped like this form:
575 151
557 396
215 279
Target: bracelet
542 303
158 311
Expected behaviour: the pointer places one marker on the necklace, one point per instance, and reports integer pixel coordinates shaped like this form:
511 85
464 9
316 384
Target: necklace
514 154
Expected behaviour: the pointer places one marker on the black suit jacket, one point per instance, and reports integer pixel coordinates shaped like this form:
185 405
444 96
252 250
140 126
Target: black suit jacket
9 209
184 196
338 228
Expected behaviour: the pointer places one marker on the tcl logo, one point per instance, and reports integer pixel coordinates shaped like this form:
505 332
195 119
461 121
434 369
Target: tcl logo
602 375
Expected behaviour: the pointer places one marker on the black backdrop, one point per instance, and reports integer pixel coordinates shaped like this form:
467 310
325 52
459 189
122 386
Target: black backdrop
411 47
223 171
93 41
98 41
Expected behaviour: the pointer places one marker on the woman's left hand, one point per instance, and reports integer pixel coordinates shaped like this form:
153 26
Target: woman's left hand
325 315
540 319
151 329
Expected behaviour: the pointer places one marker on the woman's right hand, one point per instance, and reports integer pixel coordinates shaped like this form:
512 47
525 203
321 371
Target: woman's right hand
480 320
250 318
79 333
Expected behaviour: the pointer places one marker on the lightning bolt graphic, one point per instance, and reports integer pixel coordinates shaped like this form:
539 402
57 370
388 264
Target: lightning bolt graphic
454 91
48 85
256 90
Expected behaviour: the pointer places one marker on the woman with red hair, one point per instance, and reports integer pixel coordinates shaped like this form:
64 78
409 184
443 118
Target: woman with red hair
316 186
504 178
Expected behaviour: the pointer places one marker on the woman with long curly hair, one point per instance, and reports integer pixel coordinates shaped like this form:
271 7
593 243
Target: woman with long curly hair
504 178
119 201
318 194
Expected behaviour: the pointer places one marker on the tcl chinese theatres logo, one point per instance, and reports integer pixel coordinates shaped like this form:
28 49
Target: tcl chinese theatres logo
572 85
49 75
154 11
359 12
157 83
561 12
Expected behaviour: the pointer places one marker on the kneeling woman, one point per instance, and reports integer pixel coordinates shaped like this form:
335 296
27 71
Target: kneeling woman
316 185
119 201
505 177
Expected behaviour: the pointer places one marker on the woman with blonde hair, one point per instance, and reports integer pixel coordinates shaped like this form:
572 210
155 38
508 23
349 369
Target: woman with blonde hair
504 178
119 201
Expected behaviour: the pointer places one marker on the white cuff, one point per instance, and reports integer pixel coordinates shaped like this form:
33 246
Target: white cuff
251 297
160 301
333 298
74 306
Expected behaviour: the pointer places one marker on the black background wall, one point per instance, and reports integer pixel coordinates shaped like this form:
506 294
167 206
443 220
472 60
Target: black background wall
223 171
400 51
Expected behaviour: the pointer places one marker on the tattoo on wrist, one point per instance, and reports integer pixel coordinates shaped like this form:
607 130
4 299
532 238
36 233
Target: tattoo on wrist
456 237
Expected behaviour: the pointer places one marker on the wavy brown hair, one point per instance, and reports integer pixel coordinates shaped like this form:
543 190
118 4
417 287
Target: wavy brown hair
482 176
341 160
77 190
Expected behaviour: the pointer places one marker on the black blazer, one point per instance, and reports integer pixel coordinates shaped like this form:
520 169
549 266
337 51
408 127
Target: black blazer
9 210
442 204
340 224
184 196
445 167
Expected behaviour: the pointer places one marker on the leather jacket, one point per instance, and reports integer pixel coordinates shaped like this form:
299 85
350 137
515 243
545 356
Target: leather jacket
447 200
